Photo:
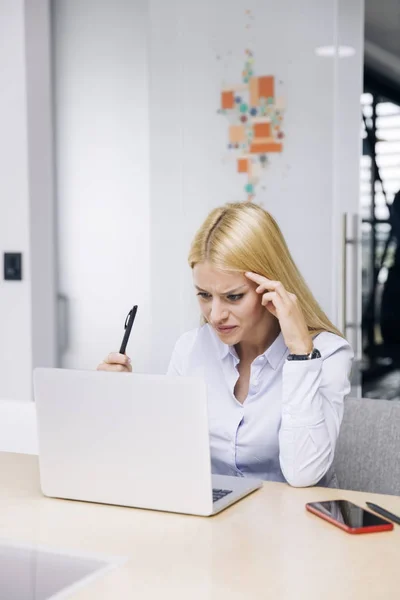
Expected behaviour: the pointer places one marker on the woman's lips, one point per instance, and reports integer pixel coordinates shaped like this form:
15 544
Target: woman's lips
225 329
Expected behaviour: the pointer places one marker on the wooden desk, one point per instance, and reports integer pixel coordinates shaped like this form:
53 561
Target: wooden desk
264 547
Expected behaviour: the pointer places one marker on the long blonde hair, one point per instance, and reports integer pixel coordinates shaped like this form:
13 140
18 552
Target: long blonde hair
245 237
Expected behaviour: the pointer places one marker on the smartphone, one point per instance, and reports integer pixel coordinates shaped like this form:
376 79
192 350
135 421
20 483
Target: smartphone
349 516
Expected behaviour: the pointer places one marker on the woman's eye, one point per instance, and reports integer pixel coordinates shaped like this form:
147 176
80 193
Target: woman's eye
204 295
235 297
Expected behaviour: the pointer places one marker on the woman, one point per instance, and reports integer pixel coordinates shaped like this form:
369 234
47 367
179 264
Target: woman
276 369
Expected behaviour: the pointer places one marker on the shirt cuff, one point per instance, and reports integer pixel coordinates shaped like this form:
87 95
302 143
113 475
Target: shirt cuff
301 380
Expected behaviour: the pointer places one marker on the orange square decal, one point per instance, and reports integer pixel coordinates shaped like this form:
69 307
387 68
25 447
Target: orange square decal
266 87
227 100
243 165
262 130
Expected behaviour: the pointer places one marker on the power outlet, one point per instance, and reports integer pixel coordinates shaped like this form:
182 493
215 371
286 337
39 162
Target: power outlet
12 266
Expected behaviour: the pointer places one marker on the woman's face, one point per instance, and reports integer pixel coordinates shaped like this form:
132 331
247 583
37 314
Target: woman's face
230 304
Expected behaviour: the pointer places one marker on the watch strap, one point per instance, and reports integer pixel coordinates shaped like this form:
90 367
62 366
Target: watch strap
313 354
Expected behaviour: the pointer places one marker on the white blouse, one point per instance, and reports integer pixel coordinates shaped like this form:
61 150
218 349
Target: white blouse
286 429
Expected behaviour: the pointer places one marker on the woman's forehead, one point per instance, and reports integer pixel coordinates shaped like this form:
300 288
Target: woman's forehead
206 275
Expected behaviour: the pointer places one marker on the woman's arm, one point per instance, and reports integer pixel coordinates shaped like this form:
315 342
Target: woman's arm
181 352
313 392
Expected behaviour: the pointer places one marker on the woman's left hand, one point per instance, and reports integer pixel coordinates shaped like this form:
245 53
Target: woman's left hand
286 308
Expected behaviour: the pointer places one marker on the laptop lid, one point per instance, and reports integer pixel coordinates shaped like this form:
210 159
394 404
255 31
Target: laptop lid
126 439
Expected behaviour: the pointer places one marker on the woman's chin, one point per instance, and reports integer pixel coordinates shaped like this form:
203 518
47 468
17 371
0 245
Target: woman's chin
229 336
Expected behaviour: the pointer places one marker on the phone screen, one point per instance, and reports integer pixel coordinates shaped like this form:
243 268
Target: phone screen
348 514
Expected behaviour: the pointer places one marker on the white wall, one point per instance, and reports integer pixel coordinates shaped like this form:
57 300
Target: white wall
26 307
99 45
18 428
137 87
349 31
15 297
102 148
308 187
40 151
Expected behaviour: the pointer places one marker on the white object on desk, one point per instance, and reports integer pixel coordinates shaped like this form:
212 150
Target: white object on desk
128 439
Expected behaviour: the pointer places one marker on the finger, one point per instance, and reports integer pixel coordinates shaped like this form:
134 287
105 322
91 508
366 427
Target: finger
266 285
271 301
256 277
276 286
271 297
282 291
117 358
263 282
115 368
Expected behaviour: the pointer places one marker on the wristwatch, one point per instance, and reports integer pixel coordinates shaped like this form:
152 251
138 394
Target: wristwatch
313 354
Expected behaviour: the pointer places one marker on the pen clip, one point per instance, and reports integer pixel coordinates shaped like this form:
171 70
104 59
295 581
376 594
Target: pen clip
127 318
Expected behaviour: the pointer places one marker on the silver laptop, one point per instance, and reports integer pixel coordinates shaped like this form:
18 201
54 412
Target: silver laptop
131 440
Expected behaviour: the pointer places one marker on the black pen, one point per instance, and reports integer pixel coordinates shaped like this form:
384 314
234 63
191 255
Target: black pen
128 327
383 512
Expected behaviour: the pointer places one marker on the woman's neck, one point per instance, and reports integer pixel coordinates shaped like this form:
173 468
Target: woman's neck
248 350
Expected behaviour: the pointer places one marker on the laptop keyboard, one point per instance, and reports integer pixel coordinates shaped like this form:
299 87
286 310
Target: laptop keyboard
218 494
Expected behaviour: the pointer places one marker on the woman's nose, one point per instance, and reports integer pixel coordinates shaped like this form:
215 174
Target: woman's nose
218 312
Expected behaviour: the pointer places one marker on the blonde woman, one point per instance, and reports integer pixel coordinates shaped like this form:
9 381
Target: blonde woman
277 370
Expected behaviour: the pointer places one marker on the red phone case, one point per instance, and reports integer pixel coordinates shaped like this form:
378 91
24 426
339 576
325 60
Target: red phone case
354 530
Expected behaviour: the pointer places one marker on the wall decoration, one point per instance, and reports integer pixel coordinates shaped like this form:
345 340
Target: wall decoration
255 118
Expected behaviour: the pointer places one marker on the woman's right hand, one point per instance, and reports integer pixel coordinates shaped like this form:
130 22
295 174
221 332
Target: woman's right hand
119 363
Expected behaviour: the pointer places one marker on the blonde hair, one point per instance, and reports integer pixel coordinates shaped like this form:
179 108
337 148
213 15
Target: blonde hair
245 237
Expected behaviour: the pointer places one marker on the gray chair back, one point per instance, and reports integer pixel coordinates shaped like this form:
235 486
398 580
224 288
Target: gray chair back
367 456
